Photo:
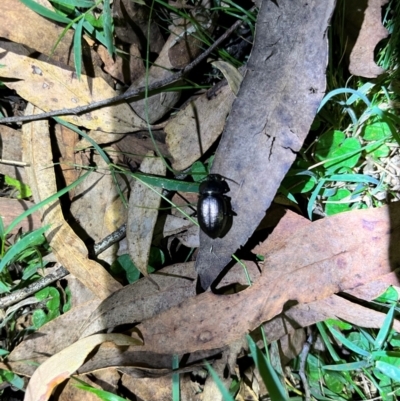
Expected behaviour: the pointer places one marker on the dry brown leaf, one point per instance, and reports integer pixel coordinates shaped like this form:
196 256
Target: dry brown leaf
156 106
192 131
50 339
50 87
308 266
305 315
98 207
12 208
66 142
61 366
149 389
143 213
141 300
20 24
68 248
11 151
366 19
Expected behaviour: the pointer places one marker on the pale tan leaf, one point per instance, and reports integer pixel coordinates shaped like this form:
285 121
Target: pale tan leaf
50 87
69 249
61 366
365 18
192 131
143 212
11 151
98 207
156 106
20 24
231 74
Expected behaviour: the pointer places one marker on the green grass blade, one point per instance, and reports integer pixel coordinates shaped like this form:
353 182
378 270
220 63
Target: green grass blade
51 198
347 366
341 91
167 183
86 136
268 374
45 12
175 378
327 342
385 329
76 3
29 240
108 26
224 391
313 197
347 343
78 48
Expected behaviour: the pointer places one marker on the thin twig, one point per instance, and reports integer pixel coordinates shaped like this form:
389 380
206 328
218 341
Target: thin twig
129 93
61 272
303 359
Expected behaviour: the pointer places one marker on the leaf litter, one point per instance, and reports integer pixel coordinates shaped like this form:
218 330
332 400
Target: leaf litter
305 265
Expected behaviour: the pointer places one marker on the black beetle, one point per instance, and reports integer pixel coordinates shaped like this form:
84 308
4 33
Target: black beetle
213 207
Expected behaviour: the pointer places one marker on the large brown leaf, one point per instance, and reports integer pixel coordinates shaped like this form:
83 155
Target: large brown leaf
269 120
331 255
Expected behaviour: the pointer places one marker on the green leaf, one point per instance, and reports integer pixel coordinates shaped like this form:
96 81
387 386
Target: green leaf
23 190
334 382
32 239
344 152
95 22
389 370
377 131
378 150
198 171
166 183
68 303
132 272
102 394
339 324
3 352
334 208
39 318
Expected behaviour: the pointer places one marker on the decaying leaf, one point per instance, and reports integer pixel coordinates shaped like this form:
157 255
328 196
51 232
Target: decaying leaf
192 131
35 31
144 204
365 21
270 118
98 207
307 266
61 366
231 74
50 87
141 300
69 249
12 208
11 151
